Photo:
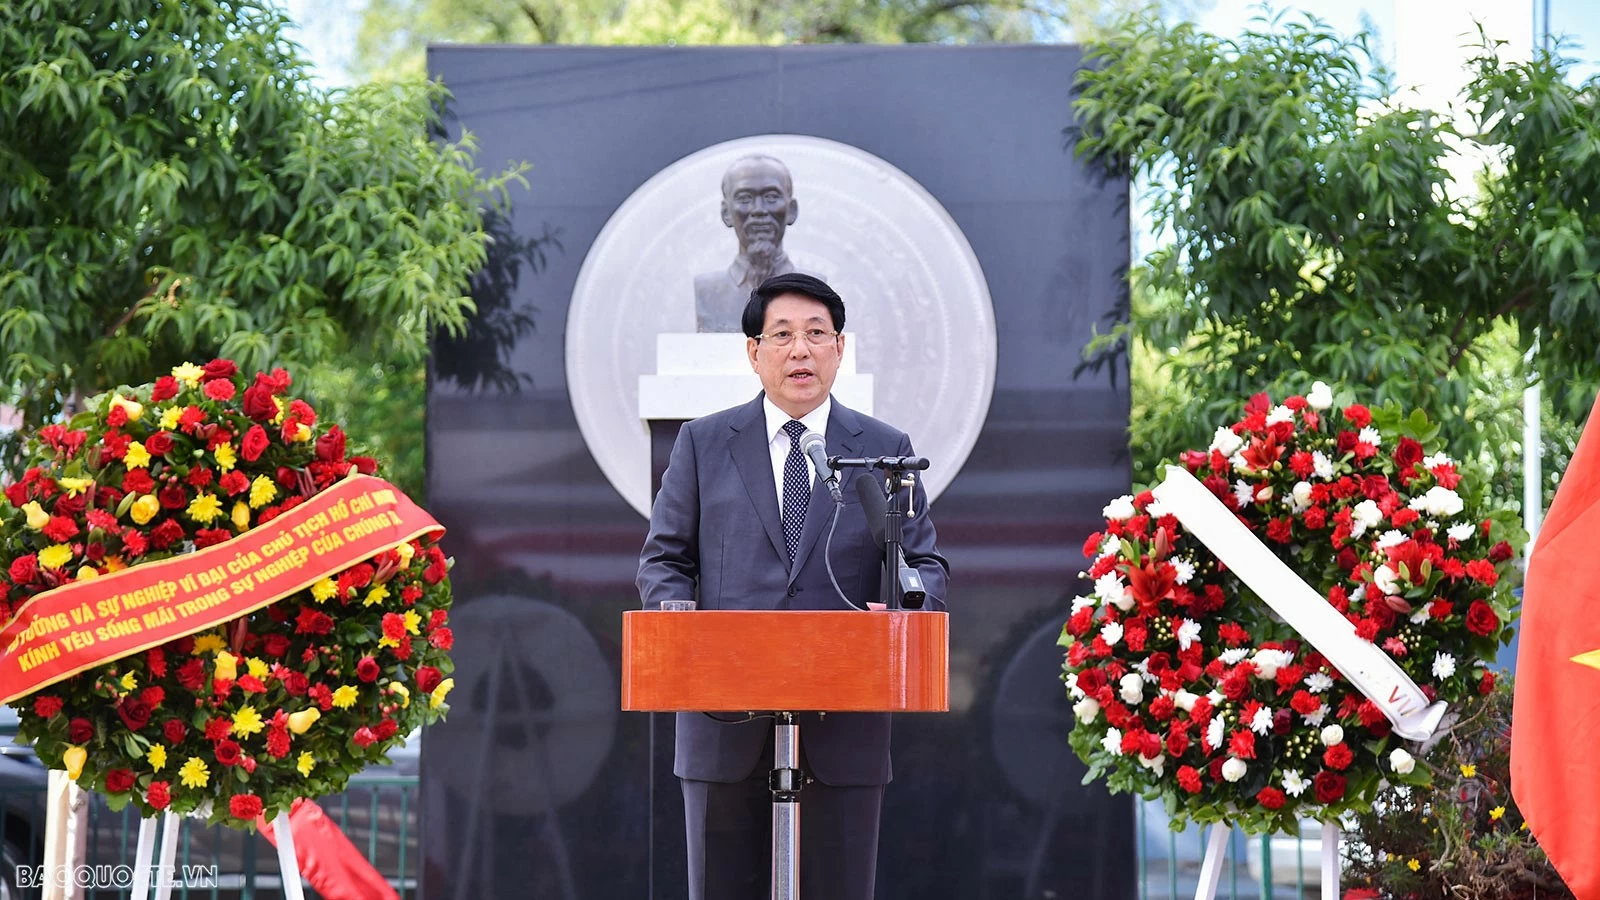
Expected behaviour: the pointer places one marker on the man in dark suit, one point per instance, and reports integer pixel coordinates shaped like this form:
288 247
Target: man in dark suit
739 523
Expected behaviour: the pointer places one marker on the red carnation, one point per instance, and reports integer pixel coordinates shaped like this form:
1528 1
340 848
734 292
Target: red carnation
367 669
166 387
244 806
158 795
1270 798
208 537
60 529
364 737
1189 779
220 389
79 731
1329 787
117 417
46 706
311 621
1338 757
442 638
1482 571
1357 415
138 481
218 727
153 696
1487 684
1243 744
251 685
174 731
1481 619
228 753
394 626
118 780
278 743
234 483
1151 744
135 713
255 443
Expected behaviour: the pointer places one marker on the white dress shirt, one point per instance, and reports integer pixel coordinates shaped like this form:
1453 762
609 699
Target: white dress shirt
778 442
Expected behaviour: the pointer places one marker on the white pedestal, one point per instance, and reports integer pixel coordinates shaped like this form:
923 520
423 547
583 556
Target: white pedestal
698 374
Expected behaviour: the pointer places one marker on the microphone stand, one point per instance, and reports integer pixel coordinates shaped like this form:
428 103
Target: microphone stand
904 580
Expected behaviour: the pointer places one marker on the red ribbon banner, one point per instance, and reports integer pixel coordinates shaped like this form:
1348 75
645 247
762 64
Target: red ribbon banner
84 624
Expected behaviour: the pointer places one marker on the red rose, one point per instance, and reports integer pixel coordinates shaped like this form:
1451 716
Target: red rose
1407 453
1328 786
1270 798
24 568
367 669
174 731
228 753
159 444
244 806
255 443
158 795
275 645
219 368
330 447
1337 757
1189 779
79 731
1151 744
1487 684
366 465
1481 619
152 696
220 389
208 537
46 706
173 496
166 388
428 678
192 674
258 403
135 713
296 683
118 780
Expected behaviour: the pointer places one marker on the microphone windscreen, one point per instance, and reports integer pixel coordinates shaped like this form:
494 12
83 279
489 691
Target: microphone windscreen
869 488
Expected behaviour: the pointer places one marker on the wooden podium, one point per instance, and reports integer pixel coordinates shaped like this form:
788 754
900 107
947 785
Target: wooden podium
780 663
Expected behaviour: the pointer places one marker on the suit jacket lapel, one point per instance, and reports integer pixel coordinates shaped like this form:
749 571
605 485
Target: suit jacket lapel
753 458
844 432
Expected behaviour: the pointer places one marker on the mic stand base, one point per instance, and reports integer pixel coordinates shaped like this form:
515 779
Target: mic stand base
785 782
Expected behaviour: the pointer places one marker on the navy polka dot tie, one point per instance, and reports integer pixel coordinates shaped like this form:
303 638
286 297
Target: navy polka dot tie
796 488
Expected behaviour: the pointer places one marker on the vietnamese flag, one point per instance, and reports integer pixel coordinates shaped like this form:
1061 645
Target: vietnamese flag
1555 766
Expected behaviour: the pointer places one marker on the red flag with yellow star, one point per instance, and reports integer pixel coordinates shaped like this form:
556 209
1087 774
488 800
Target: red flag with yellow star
1555 770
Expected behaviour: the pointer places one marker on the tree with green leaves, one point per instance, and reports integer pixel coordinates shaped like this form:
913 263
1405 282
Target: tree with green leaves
172 187
394 32
1311 234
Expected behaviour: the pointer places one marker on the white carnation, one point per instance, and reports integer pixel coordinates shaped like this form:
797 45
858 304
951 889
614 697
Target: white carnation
1420 616
1280 413
1438 459
1315 717
1112 742
1300 496
1390 538
1156 764
1215 698
1188 633
1317 682
1086 709
1369 435
1234 769
1226 442
1320 397
1111 632
1109 588
1332 735
1461 532
1072 685
1131 688
1110 544
1120 509
1155 509
1234 656
1444 665
1082 602
1294 784
1401 761
1268 662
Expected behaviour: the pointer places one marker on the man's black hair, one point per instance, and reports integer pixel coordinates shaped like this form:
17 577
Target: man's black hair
755 311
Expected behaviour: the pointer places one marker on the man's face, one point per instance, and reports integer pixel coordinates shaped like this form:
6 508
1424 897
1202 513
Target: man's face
798 377
758 206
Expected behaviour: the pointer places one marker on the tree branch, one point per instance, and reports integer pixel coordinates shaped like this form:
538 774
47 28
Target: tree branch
1517 300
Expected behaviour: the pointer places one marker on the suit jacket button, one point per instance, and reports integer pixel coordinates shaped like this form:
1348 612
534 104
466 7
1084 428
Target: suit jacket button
791 592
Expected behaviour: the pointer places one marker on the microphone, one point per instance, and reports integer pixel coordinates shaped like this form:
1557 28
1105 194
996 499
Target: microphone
816 446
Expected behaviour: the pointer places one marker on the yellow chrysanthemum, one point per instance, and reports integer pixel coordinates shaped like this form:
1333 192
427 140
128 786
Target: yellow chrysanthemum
1469 771
226 457
277 416
137 456
227 665
1498 813
324 590
194 773
209 643
144 509
157 757
1413 865
75 486
406 552
306 764
247 722
133 408
413 621
55 556
170 417
73 759
188 373
130 681
241 515
376 595
204 508
436 699
37 517
262 492
257 667
344 696
302 434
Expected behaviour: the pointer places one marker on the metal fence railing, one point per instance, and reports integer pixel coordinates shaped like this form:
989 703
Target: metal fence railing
1268 867
379 814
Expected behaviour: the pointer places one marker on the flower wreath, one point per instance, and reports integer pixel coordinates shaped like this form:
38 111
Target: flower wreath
1189 689
242 719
